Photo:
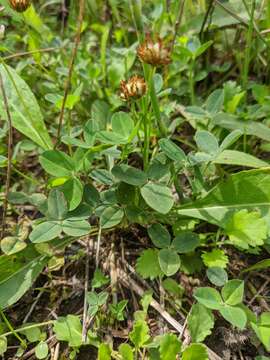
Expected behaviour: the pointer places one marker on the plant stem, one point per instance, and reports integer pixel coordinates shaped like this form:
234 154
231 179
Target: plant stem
10 141
191 82
12 331
29 327
71 66
247 54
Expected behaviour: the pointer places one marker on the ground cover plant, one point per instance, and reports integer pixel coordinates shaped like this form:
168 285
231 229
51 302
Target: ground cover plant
135 179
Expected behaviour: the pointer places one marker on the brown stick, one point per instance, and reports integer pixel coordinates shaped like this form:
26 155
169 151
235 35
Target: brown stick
71 66
9 156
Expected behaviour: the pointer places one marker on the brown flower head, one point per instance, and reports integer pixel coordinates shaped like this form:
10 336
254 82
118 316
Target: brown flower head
154 52
20 5
134 88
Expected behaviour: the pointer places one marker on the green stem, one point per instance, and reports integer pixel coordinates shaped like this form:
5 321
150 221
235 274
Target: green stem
247 55
12 331
191 82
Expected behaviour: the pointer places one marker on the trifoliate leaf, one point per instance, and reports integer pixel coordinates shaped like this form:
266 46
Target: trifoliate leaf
148 265
247 229
215 258
200 322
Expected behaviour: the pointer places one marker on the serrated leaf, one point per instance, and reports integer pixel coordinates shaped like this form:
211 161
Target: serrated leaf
148 265
126 352
247 229
200 322
139 334
195 352
104 352
215 258
169 347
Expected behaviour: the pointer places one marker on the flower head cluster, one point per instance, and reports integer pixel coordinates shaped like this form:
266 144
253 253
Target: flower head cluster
135 87
154 52
20 5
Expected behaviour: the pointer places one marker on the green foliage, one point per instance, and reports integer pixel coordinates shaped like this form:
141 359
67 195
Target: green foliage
200 322
195 352
139 334
148 264
215 258
69 329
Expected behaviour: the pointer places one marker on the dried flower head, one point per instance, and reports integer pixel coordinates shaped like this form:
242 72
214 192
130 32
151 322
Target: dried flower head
134 88
154 52
20 5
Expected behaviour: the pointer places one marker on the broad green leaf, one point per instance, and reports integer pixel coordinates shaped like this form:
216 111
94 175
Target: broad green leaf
32 335
158 197
173 287
45 231
208 297
215 258
262 328
253 128
108 137
3 345
248 190
247 229
41 350
185 242
111 216
57 163
139 334
217 275
73 190
18 272
76 227
129 175
201 49
122 124
159 235
200 322
206 142
57 205
169 347
234 157
234 315
126 352
102 176
25 111
233 292
104 352
148 265
195 352
169 261
230 139
214 102
171 150
12 244
69 329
